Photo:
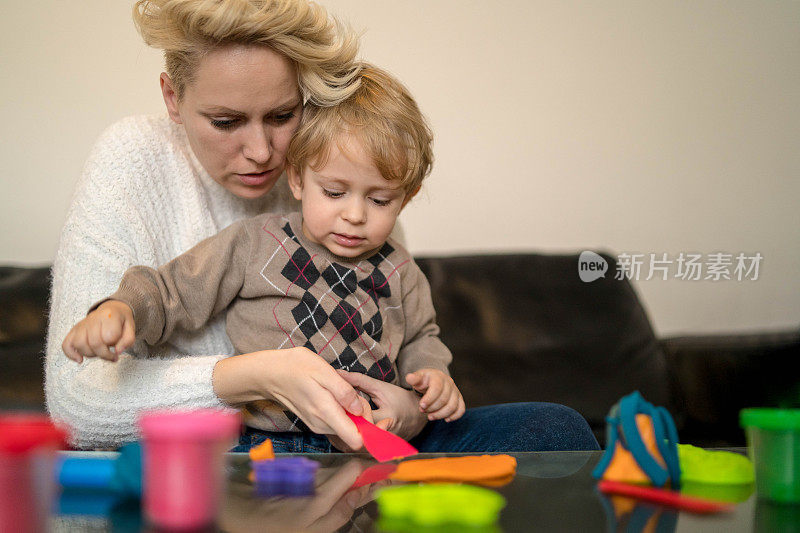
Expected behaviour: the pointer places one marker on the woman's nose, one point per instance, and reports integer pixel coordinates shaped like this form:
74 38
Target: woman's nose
256 145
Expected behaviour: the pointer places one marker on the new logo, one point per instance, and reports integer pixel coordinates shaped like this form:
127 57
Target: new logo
591 266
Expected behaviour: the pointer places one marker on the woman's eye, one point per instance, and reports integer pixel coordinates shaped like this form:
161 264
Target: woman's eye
223 124
332 194
283 117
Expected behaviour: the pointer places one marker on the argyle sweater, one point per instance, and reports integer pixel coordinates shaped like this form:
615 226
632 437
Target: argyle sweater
371 314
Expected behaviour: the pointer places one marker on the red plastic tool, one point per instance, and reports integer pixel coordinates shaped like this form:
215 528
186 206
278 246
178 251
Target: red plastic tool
383 446
663 497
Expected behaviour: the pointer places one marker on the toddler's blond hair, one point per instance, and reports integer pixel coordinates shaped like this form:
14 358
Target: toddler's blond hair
383 116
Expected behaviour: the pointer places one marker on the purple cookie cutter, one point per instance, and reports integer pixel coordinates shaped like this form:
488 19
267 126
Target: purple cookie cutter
285 476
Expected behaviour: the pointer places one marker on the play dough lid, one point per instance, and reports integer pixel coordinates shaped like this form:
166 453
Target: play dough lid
23 432
767 418
189 424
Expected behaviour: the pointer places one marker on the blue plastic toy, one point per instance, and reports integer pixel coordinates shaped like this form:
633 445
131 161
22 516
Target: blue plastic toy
120 474
622 429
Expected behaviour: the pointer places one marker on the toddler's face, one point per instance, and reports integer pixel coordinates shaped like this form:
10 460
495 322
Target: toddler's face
348 206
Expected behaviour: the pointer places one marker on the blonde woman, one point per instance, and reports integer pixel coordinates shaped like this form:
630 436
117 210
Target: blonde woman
238 74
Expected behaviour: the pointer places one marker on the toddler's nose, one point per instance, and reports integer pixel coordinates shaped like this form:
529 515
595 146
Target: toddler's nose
355 211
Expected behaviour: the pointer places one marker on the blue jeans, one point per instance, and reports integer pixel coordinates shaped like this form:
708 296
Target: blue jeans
509 427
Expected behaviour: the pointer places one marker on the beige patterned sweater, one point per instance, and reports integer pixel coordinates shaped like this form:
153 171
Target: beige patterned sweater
371 314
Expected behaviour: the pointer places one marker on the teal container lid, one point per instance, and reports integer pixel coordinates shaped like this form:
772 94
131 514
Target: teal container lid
770 418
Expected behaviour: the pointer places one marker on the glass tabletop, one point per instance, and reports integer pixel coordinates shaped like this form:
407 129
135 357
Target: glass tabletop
552 491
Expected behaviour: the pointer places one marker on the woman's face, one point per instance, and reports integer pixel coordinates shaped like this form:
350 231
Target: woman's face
240 113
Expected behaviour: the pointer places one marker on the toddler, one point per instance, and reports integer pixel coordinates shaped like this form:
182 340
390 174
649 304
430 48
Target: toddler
329 278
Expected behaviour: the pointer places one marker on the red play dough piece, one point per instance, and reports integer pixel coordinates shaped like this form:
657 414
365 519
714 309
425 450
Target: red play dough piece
383 446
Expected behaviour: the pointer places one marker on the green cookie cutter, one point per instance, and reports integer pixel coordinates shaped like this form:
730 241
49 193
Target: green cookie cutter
439 504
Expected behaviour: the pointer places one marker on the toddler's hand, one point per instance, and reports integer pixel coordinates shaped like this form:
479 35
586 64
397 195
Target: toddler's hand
441 398
106 332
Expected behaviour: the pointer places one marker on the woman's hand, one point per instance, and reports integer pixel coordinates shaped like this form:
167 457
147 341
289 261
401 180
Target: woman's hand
340 445
298 379
398 405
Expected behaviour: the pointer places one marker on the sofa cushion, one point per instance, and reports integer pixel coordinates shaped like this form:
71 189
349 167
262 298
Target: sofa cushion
524 327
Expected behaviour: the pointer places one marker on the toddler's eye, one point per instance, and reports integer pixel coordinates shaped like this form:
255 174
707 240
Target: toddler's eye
332 194
381 203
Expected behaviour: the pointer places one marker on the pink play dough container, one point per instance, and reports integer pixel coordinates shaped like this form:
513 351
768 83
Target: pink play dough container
28 443
183 465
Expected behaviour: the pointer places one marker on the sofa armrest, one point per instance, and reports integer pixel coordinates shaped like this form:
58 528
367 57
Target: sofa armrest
713 377
24 293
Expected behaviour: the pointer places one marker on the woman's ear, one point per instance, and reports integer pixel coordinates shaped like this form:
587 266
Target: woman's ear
170 98
295 181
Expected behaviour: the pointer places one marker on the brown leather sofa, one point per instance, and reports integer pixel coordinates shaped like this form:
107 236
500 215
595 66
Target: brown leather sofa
522 327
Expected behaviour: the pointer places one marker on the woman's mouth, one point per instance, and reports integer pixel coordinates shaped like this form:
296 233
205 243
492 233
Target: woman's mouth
256 179
348 241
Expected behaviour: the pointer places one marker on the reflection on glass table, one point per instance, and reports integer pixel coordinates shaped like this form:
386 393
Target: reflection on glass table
552 491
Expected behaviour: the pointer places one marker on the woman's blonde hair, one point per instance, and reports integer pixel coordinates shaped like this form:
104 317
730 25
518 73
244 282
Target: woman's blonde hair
322 48
383 116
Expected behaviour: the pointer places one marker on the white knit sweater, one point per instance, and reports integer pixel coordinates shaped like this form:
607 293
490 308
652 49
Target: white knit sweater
143 199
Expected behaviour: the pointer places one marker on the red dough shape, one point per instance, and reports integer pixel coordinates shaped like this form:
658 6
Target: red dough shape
383 446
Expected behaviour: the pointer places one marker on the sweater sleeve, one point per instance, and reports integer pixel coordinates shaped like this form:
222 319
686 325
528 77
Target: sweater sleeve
102 237
186 292
422 347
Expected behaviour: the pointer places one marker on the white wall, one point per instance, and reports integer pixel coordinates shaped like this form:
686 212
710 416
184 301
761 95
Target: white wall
644 127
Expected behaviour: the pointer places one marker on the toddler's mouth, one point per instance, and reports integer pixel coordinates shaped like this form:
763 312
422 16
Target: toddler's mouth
347 240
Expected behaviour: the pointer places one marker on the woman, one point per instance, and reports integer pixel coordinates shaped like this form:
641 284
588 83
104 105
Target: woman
237 76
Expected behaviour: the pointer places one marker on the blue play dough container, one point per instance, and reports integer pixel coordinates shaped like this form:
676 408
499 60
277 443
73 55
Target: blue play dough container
773 443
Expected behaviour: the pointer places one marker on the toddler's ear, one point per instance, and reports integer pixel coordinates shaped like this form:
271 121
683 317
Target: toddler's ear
295 181
410 195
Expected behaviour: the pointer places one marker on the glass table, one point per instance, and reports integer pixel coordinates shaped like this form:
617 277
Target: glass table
552 491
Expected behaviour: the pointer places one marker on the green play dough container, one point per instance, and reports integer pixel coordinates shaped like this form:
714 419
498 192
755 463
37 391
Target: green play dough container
773 443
